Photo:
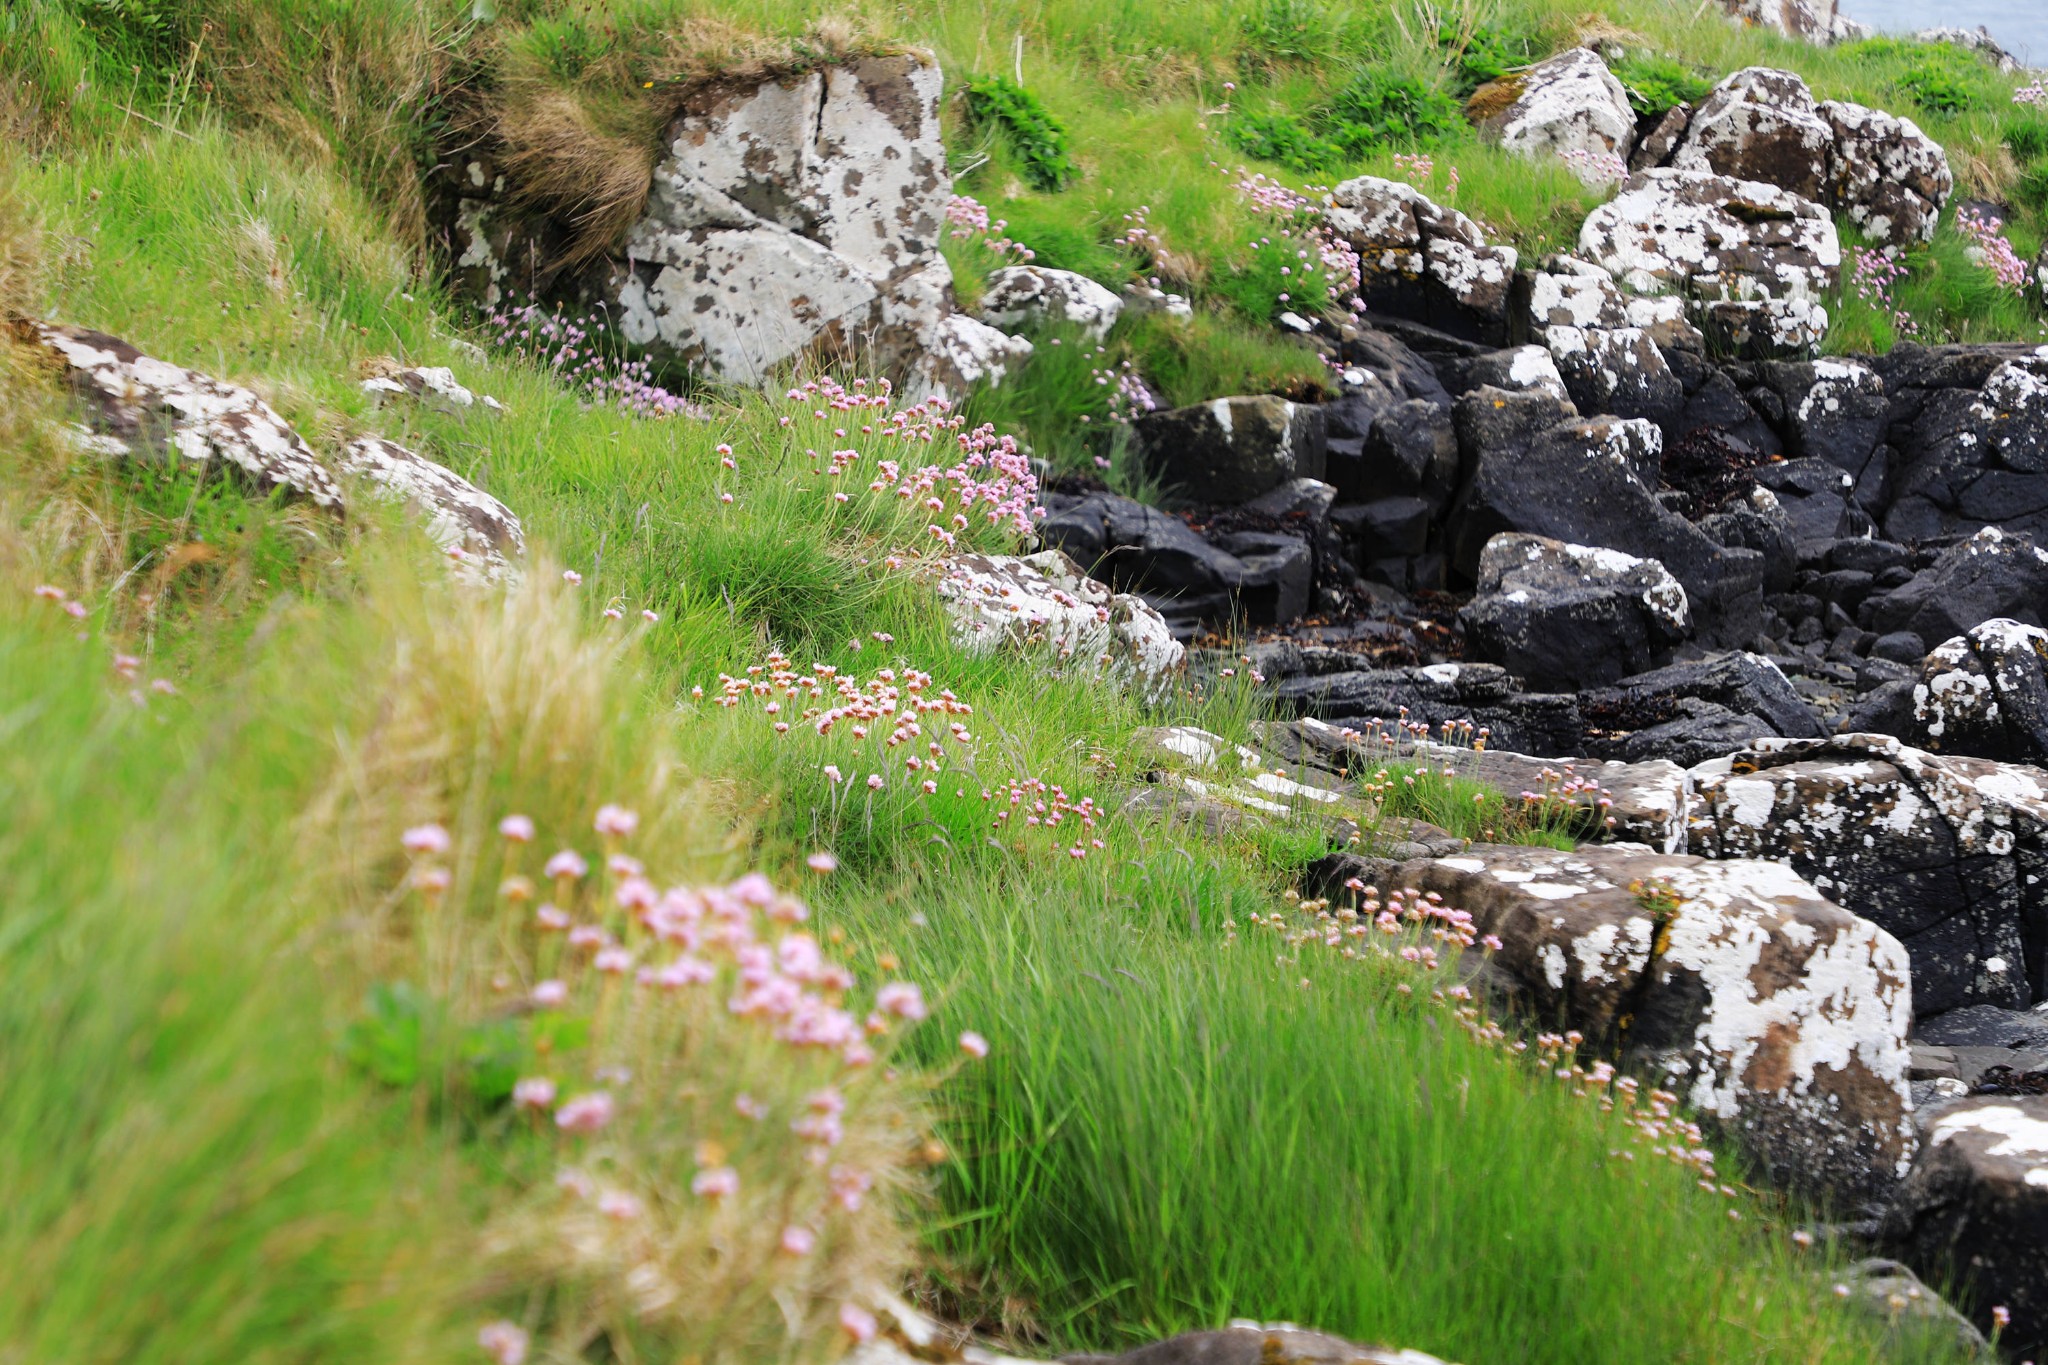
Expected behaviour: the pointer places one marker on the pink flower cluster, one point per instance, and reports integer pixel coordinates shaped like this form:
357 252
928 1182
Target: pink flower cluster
969 218
1600 168
1992 250
1875 274
574 349
2034 93
1419 169
1046 806
1128 396
1139 237
992 478
1322 256
127 667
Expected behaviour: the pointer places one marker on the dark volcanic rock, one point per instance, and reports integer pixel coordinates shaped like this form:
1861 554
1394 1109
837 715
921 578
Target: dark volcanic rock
1563 617
1992 574
1439 694
1742 683
1231 450
1986 694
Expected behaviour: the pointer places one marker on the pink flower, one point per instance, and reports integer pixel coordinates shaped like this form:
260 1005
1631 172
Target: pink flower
875 781
798 1241
717 1183
617 822
822 862
75 610
49 592
550 994
571 577
748 1107
586 1113
516 829
832 773
567 863
503 1342
2001 1318
613 961
857 1322
973 1044
534 1092
902 999
552 918
426 839
1491 943
618 1204
650 616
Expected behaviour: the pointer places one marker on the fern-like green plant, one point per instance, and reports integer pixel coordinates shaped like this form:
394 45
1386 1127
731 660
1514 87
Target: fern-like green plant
1039 139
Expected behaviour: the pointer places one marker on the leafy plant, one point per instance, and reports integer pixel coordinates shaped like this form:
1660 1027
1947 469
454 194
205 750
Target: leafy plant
1377 108
1286 140
1039 139
1935 76
1657 83
1484 54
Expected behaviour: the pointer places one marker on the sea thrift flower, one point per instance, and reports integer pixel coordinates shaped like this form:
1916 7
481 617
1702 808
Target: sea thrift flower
516 829
717 1183
798 1241
857 1322
571 577
503 1342
619 1205
822 862
567 863
616 822
902 999
973 1044
534 1092
550 995
586 1113
426 839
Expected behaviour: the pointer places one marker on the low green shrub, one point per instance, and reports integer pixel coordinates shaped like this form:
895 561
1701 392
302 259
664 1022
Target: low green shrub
1377 109
1482 55
1286 140
1040 140
1936 76
1657 83
1281 31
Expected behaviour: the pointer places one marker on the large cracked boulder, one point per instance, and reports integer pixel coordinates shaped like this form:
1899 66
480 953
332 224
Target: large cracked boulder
1570 107
1838 411
1752 260
1817 21
140 407
1231 450
1046 603
1993 574
1564 617
1985 694
1030 294
1420 261
1976 1204
1590 482
1973 459
1887 176
1945 853
1760 125
1779 1015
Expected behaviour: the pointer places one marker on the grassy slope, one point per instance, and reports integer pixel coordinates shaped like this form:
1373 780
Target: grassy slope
1172 1129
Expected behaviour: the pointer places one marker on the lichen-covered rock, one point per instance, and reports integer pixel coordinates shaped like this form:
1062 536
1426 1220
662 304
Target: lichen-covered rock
1977 1203
1946 853
1972 459
1570 106
1838 411
960 352
1779 1015
1524 369
1250 1343
1421 261
1563 617
1985 694
1992 574
1741 682
148 408
1616 370
1752 260
1817 21
1890 178
1977 40
431 386
1760 125
153 407
1022 294
1046 602
1230 450
476 530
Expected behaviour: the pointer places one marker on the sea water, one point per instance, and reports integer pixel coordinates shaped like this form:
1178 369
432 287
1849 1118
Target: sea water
2020 26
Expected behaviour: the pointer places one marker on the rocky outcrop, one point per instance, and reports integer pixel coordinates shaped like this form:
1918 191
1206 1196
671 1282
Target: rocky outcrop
1975 454
1817 21
1760 125
1753 261
1570 107
1438 695
145 408
1564 617
1775 1013
1421 261
1890 178
788 218
1231 450
1985 694
1945 853
1977 1202
1992 575
1023 295
1047 603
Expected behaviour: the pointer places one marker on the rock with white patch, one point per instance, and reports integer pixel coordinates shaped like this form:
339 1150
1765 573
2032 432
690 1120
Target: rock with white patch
1946 853
1973 455
1762 125
1421 261
1618 371
1564 617
1752 260
1252 1343
430 386
1739 684
1029 294
1991 575
1976 1204
1888 177
1838 411
1816 21
1570 107
1985 694
1231 450
1522 369
477 532
961 352
1046 604
1977 40
1776 1014
159 410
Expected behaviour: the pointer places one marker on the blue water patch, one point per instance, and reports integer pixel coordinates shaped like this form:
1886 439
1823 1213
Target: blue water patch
2020 26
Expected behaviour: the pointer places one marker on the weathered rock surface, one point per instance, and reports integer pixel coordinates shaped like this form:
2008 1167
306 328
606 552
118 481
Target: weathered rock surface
1024 294
1422 261
1752 260
1778 1014
1563 617
1889 1293
1760 125
150 409
1253 1344
1972 459
1230 450
431 386
1977 1202
1570 106
1991 575
1985 694
1436 695
1946 854
1817 21
1890 178
1047 602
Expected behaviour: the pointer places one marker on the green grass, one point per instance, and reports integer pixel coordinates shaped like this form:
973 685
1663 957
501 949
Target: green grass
1172 1129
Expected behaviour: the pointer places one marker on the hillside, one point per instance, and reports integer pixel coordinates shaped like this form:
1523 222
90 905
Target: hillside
566 805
